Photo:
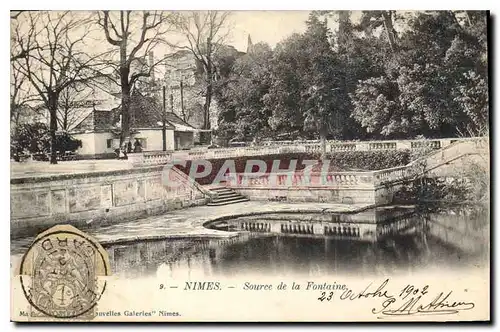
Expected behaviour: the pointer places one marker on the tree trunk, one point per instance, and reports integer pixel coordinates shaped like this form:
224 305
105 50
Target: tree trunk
53 98
65 119
125 123
208 99
389 29
208 95
126 88
469 21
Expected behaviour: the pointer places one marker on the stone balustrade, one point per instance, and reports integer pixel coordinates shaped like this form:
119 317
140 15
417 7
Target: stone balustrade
336 147
302 180
391 174
150 158
285 147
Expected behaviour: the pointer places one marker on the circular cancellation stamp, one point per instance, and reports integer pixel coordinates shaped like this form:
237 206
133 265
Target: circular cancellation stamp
59 274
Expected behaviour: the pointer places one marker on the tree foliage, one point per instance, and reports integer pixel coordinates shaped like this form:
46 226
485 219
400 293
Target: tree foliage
388 74
34 138
243 116
434 85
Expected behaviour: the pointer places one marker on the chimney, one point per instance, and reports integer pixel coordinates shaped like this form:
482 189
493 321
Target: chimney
151 64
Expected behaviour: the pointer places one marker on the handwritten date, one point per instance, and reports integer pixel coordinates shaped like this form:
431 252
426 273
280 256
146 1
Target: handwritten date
411 300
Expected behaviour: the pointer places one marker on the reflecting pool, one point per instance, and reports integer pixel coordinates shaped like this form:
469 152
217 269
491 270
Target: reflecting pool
381 241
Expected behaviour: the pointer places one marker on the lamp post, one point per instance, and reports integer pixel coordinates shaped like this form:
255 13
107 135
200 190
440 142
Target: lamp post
164 122
182 98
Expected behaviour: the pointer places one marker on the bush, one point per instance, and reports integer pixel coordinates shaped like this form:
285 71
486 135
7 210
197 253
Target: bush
64 142
35 139
369 160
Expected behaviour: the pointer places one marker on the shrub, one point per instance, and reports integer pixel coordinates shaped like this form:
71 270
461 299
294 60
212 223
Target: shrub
339 161
370 160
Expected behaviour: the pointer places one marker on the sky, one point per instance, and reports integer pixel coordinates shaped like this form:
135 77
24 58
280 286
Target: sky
272 27
265 26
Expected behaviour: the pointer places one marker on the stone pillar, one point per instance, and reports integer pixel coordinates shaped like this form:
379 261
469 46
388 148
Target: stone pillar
403 145
275 227
362 146
318 229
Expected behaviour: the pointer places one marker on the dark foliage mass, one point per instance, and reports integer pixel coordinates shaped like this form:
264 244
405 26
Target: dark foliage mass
35 139
386 75
339 161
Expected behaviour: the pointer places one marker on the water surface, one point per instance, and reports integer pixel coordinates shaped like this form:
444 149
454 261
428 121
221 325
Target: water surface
375 242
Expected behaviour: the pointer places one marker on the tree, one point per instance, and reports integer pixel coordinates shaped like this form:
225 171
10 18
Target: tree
135 35
71 101
306 91
373 19
434 84
240 95
66 142
52 46
21 94
205 33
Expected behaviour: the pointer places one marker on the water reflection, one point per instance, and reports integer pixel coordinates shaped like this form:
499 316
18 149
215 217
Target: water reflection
379 241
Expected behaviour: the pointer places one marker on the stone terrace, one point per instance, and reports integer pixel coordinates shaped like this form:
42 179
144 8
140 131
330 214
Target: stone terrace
189 222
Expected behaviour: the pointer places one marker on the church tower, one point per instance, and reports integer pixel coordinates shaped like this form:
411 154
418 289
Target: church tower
249 44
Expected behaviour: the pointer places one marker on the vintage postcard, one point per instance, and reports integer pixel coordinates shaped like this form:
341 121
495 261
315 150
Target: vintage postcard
249 166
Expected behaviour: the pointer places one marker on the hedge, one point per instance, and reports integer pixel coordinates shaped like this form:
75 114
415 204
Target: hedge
339 161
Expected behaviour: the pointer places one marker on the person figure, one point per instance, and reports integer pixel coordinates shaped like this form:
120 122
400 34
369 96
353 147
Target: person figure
137 146
123 152
129 147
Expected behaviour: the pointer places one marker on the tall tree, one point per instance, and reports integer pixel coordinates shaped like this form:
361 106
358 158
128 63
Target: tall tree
373 19
306 89
134 35
21 94
242 115
434 85
73 100
54 56
205 33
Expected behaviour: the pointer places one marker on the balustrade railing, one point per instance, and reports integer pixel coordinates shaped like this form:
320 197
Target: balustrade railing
285 147
300 179
383 146
335 147
366 179
391 174
150 158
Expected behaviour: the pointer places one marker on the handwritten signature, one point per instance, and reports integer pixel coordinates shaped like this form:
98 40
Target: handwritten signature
410 301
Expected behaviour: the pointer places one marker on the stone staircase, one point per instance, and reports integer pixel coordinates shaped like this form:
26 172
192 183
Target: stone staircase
226 196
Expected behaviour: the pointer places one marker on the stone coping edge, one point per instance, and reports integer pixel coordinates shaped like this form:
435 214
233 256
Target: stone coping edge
222 234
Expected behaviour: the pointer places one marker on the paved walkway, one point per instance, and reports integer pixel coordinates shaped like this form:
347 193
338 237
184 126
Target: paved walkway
189 222
43 168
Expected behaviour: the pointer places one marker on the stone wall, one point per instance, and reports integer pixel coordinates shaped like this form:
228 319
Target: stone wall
462 229
375 196
99 198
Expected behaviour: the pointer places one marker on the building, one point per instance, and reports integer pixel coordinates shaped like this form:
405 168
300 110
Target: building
100 130
185 82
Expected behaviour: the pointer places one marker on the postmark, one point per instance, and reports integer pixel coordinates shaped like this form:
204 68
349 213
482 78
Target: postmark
60 273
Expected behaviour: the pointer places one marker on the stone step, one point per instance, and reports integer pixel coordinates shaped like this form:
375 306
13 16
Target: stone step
232 201
227 199
228 194
221 190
